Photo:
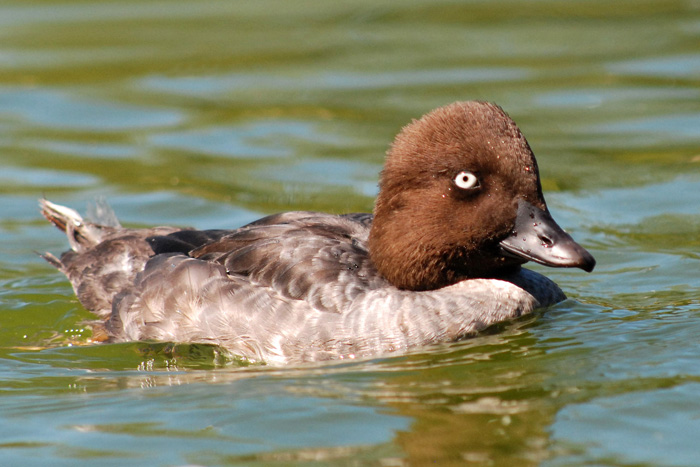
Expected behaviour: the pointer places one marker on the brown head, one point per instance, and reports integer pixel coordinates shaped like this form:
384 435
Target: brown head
454 186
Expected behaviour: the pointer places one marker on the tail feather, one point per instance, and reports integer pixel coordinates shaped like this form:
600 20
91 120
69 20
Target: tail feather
81 234
58 215
52 260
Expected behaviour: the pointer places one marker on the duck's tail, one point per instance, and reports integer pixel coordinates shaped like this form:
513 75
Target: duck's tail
81 234
104 257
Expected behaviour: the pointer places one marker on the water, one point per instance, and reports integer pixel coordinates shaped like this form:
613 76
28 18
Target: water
214 113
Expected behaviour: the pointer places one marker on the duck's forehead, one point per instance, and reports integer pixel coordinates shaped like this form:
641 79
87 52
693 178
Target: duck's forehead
512 163
510 151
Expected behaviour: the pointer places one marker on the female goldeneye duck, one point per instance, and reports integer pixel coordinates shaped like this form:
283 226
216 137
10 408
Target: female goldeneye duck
460 209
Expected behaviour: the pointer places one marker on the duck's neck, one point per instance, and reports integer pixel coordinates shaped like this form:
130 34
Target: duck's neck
409 254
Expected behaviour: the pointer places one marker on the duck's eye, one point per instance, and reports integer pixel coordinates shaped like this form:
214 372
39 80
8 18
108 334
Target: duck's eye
466 180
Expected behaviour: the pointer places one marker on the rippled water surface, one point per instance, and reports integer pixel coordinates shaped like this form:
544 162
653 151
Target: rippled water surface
214 113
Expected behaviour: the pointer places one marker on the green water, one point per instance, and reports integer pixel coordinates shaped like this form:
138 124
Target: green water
212 113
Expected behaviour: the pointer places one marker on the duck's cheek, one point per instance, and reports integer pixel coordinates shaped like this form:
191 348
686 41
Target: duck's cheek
493 219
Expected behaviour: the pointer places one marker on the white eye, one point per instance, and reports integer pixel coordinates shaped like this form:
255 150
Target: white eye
466 180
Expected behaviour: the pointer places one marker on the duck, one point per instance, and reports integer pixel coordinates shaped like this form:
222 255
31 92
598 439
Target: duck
460 209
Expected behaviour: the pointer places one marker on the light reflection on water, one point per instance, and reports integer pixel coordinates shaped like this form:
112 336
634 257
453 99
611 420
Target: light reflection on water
62 111
212 114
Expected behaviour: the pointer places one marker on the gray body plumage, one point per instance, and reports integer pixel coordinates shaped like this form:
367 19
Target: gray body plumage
293 287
